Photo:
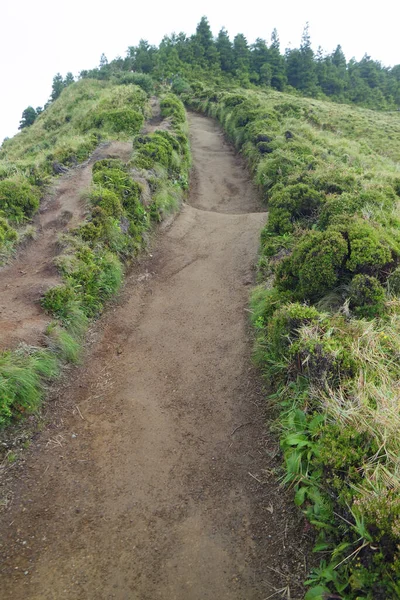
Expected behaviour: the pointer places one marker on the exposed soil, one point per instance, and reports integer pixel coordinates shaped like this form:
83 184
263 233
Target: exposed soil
25 279
155 480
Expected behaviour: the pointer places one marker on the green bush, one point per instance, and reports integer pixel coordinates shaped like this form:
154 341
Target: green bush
142 80
367 296
294 203
107 200
282 329
57 300
18 199
314 267
369 248
7 233
172 107
109 163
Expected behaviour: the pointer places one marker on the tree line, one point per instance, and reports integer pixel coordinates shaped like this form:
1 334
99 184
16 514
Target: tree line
366 82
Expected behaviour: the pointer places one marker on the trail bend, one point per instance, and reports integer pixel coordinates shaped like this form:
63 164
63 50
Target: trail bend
158 486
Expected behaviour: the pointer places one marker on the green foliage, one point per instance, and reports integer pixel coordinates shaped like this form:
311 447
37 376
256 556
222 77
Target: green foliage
294 204
367 296
7 233
115 120
142 80
173 108
314 266
393 282
28 117
22 374
107 200
18 199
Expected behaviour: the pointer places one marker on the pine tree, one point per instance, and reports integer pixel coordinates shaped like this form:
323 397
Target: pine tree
204 47
28 117
58 86
69 78
259 55
307 75
241 53
277 62
225 50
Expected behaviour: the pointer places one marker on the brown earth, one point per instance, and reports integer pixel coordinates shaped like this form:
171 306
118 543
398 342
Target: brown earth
155 478
25 279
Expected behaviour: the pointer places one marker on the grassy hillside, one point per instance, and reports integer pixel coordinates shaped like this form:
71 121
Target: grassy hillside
327 317
63 135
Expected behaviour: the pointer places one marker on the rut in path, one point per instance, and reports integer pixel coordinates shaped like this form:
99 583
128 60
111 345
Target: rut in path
158 486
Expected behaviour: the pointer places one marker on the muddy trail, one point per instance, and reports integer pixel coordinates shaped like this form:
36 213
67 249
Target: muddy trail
25 279
155 481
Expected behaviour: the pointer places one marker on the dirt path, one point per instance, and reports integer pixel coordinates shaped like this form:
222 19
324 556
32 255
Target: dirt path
25 279
155 483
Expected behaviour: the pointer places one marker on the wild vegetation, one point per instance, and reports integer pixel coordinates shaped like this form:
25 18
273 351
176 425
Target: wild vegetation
327 317
298 70
123 202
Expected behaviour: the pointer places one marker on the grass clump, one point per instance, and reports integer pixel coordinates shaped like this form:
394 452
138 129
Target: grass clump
18 200
22 375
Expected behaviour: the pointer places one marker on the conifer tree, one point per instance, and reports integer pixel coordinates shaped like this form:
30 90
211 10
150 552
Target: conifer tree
225 50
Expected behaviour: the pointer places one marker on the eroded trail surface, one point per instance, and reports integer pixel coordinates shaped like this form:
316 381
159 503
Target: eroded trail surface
155 482
25 279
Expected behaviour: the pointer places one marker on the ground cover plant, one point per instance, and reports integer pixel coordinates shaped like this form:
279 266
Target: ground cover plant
123 202
327 319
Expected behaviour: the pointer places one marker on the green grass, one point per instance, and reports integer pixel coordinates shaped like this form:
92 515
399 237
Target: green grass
326 314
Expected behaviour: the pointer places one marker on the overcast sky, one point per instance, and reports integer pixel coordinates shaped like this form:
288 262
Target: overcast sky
39 38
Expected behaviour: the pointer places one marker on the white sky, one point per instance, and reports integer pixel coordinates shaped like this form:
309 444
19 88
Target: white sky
39 38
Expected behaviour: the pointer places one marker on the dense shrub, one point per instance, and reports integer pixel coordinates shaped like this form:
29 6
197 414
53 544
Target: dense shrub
116 120
367 296
314 266
7 233
18 199
108 200
294 203
142 80
283 327
172 107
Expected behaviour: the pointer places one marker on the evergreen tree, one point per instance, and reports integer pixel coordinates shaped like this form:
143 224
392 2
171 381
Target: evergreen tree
241 54
307 75
143 57
103 61
259 55
277 62
168 63
28 117
225 50
58 86
69 78
204 47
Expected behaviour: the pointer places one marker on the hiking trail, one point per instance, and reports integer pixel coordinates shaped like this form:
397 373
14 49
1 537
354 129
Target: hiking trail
155 481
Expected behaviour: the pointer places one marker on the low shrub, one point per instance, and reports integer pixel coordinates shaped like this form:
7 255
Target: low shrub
367 296
314 267
18 199
173 108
